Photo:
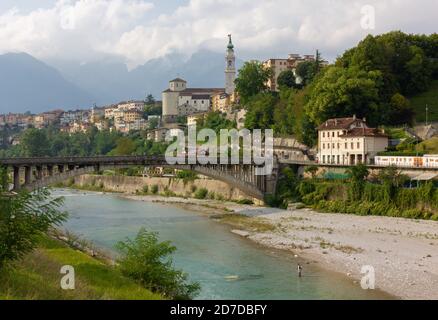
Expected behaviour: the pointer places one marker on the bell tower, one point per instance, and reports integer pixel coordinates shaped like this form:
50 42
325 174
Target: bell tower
230 69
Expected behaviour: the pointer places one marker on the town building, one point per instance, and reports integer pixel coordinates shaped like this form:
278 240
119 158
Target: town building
290 63
193 119
223 102
349 141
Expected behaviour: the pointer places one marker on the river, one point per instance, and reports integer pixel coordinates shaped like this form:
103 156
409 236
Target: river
226 265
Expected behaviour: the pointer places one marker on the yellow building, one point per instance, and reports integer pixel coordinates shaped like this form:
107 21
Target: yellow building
223 102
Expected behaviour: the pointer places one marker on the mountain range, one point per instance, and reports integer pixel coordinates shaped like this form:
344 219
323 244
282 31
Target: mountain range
28 84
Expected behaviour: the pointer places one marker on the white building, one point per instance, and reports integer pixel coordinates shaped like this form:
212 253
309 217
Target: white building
349 141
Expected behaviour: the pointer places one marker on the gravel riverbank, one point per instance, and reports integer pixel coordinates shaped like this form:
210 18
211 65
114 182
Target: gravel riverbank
403 252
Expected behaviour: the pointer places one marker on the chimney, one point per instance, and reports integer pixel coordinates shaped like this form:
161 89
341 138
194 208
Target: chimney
354 117
364 119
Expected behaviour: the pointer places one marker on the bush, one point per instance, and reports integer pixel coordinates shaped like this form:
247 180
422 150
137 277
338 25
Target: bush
23 218
193 188
145 189
147 261
154 189
201 193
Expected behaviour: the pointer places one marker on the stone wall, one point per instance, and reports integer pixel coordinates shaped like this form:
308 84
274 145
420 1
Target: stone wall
135 184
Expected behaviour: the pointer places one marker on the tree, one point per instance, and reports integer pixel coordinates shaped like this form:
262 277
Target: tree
23 218
215 121
401 112
260 113
35 143
252 80
124 146
306 72
287 79
147 261
357 174
341 92
150 100
153 123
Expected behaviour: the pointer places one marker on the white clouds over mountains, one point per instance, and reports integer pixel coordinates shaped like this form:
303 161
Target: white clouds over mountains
86 30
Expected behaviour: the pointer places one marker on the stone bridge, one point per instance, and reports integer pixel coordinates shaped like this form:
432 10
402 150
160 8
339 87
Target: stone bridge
33 173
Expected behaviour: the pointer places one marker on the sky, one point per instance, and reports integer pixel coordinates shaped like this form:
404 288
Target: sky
136 31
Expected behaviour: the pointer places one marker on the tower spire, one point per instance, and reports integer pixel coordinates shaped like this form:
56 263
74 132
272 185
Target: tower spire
230 42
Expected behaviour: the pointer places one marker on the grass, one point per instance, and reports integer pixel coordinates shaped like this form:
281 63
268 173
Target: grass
429 146
430 98
37 277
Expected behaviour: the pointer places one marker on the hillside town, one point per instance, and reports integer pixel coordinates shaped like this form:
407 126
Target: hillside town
181 106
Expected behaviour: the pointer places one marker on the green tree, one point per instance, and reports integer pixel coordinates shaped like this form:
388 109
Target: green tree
357 174
341 92
260 113
35 143
401 112
153 123
252 80
147 261
287 79
150 100
306 71
124 146
215 121
24 217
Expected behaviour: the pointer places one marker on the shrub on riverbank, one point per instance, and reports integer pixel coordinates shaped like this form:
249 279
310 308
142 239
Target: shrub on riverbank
154 189
147 261
201 193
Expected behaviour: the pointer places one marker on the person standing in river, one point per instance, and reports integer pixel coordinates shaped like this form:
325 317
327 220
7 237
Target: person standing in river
299 269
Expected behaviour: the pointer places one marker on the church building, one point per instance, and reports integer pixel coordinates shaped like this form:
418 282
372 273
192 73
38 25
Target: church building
179 100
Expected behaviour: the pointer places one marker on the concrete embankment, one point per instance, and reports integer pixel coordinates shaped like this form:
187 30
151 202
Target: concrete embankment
172 186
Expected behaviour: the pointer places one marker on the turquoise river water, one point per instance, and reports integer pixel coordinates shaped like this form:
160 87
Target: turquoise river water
226 265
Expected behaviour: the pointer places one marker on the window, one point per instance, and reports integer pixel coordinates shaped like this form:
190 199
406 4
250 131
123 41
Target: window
323 159
346 145
323 134
352 146
358 145
333 145
333 134
323 145
339 145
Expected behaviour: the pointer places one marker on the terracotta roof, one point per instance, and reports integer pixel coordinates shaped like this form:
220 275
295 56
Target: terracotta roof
338 123
364 132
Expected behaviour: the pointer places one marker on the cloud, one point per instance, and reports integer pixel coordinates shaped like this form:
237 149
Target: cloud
92 29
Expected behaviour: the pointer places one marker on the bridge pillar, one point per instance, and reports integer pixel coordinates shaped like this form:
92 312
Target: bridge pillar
27 175
61 168
50 170
71 167
39 172
16 178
